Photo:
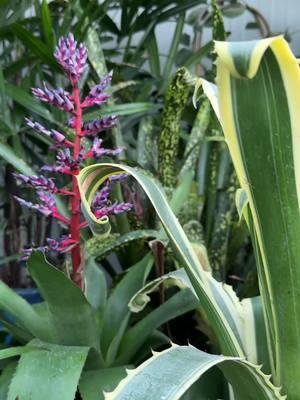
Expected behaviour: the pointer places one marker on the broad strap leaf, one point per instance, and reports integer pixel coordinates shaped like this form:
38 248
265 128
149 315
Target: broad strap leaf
259 100
169 374
49 373
92 177
71 314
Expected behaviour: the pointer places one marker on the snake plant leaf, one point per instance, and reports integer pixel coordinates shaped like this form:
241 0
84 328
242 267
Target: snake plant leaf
259 100
169 374
196 137
174 103
93 176
53 370
146 144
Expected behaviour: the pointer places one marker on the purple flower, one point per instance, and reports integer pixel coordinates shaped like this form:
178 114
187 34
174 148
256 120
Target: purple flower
37 182
28 250
62 245
41 182
118 177
101 197
55 135
98 125
56 97
98 151
47 208
97 95
113 209
71 57
43 209
47 198
65 163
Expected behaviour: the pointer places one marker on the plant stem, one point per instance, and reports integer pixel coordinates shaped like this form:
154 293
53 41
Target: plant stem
75 202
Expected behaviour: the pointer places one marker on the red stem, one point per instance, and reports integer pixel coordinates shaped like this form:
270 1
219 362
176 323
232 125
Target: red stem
75 201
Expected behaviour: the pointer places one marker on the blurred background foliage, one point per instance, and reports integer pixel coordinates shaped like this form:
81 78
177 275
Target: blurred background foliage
159 126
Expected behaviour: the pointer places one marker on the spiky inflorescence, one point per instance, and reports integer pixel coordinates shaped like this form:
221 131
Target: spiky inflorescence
72 57
71 154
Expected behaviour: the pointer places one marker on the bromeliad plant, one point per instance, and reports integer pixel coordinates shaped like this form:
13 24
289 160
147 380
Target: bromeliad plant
77 341
71 154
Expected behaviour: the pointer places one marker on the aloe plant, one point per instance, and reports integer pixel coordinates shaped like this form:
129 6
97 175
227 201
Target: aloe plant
263 77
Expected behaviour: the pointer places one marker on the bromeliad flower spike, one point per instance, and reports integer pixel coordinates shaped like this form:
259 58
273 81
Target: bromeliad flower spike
71 154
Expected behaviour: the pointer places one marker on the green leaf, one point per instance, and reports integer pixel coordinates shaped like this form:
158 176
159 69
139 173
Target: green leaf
113 349
199 129
262 79
247 315
206 288
93 383
169 374
198 55
45 374
34 44
152 48
16 351
97 60
174 103
26 100
8 154
100 248
146 144
179 304
173 49
122 109
95 52
23 313
177 278
116 309
72 316
47 25
255 333
20 334
5 379
95 284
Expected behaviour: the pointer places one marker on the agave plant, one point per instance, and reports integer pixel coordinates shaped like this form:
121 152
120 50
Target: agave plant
256 100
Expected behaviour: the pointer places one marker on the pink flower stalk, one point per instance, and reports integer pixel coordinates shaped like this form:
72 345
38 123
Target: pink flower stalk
71 154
